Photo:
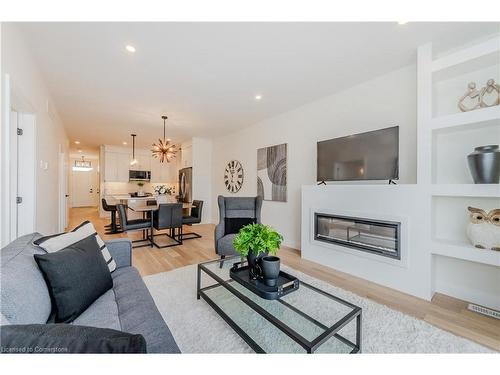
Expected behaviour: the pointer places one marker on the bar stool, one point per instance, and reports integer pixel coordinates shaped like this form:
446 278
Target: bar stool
113 227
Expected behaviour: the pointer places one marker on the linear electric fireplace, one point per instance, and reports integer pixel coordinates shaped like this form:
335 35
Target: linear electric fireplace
374 236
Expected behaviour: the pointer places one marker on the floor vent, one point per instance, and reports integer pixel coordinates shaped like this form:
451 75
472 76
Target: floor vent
484 310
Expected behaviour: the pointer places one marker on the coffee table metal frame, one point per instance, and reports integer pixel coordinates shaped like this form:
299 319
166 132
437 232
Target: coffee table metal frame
309 346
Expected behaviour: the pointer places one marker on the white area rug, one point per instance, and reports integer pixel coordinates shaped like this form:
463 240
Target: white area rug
197 328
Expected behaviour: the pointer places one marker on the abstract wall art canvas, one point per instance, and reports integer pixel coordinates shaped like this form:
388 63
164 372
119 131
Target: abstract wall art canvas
271 173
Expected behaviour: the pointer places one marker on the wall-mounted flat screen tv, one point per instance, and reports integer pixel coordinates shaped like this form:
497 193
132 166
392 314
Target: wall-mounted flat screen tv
372 155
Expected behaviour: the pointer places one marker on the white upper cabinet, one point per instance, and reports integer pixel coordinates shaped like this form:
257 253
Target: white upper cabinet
187 156
143 162
116 166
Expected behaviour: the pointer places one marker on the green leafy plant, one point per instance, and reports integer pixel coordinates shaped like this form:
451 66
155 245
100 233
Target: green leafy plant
257 238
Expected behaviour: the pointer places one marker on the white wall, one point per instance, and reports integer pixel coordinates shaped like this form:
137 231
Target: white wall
29 94
381 102
202 175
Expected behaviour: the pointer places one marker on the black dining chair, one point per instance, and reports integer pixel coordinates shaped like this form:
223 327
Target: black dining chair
113 227
135 225
193 218
169 216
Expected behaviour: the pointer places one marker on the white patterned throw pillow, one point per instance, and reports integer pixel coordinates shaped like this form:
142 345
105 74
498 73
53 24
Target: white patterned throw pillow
57 242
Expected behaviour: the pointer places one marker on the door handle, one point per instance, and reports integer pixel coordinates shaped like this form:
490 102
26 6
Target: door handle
66 195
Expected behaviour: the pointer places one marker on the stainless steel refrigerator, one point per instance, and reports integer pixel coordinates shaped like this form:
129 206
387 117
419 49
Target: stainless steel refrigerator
186 185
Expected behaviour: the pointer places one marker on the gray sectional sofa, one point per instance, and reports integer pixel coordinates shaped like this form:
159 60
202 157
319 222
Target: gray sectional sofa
127 307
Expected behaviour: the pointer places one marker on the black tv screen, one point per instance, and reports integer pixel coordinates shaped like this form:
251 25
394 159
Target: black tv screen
372 155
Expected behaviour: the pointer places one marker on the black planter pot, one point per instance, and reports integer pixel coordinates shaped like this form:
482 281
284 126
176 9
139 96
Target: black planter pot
484 164
270 270
254 264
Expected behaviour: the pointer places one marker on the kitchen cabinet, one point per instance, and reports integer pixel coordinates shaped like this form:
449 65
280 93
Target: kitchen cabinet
143 163
116 166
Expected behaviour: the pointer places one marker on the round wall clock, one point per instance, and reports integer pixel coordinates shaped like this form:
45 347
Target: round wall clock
233 176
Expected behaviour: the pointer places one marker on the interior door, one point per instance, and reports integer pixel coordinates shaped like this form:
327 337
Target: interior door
84 188
26 174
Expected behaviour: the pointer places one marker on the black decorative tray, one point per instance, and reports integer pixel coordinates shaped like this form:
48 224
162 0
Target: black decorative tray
286 282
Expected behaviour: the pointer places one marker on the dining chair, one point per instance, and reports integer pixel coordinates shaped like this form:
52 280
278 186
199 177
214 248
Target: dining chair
193 218
128 225
168 216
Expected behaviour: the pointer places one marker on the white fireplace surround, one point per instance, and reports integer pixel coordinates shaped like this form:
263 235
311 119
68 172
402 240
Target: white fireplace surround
401 203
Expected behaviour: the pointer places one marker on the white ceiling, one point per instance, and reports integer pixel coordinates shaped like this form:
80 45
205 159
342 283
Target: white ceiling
204 76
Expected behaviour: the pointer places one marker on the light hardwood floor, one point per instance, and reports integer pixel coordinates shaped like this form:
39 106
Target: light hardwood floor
445 312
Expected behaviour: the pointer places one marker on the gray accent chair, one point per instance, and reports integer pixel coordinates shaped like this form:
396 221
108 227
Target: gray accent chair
127 307
234 207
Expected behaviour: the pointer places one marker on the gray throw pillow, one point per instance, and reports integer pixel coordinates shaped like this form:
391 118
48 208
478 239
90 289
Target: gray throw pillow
76 276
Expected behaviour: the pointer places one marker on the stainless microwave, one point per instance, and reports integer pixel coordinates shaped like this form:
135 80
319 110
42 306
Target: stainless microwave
139 175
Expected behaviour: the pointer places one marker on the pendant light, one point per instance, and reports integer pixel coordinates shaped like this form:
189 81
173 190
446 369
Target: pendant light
82 165
164 150
134 160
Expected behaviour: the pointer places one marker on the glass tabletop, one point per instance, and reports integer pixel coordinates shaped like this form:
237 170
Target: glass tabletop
308 314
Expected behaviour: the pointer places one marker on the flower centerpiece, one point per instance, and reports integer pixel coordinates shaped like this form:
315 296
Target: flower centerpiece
256 242
162 191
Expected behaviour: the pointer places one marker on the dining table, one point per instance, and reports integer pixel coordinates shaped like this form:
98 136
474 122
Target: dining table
149 205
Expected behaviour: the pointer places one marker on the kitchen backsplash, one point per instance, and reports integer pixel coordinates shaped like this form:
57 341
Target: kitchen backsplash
111 188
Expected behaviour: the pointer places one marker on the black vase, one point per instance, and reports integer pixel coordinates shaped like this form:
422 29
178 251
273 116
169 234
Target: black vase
270 270
484 164
254 265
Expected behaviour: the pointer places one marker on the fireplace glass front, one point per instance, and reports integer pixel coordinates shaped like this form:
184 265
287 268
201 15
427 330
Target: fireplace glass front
375 236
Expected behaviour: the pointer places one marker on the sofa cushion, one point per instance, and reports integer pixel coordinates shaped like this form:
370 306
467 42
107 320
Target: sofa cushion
232 225
225 245
138 312
103 313
76 276
25 298
65 338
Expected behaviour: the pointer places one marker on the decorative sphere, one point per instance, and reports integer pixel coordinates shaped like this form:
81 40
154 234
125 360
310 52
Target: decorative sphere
472 85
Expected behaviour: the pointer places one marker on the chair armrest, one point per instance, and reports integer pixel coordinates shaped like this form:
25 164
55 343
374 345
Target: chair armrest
218 234
121 251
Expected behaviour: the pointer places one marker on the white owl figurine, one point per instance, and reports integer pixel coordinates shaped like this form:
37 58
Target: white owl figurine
484 228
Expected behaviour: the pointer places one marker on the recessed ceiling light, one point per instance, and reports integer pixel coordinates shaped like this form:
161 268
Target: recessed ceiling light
402 22
77 142
130 48
258 97
124 143
79 150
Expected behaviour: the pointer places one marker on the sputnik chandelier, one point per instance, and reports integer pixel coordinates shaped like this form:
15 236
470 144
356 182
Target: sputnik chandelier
164 150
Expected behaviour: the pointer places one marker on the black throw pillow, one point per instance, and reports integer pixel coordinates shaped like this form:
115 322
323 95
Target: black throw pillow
234 224
76 276
67 338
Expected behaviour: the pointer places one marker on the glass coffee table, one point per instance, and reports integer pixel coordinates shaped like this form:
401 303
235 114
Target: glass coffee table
305 321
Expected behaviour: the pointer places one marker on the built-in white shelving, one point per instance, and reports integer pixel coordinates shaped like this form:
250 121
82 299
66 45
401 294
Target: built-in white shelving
464 251
445 137
466 190
464 60
489 116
